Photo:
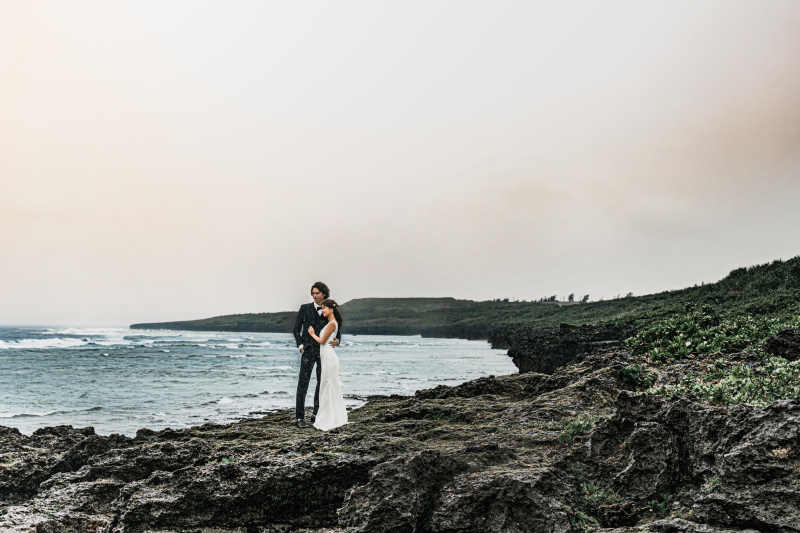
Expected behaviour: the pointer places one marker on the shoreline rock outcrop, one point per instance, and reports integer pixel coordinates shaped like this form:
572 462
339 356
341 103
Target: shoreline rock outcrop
546 350
575 450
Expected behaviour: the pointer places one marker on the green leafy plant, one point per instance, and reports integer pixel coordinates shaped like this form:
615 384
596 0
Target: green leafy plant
222 461
657 506
599 495
712 484
636 376
695 332
583 523
775 379
438 414
575 427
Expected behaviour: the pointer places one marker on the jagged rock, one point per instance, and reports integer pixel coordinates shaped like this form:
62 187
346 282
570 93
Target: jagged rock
400 494
504 502
545 351
676 525
720 462
499 454
785 344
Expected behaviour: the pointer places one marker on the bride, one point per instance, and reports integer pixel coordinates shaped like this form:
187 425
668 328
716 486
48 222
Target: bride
332 412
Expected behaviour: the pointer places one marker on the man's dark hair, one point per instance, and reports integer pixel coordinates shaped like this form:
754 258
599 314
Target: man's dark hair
326 292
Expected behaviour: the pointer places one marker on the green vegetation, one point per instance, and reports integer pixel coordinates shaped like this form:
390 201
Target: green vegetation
222 461
708 331
583 523
770 291
438 414
599 495
657 506
573 427
776 379
636 376
712 484
696 332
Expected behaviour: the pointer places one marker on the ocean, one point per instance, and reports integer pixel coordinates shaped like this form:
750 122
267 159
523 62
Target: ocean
119 380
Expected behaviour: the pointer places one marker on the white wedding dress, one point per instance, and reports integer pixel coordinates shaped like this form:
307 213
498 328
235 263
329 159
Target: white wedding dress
332 412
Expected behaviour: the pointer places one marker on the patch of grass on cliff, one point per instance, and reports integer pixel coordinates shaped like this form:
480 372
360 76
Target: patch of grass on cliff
439 414
695 332
657 506
599 495
224 460
775 379
637 377
574 427
583 523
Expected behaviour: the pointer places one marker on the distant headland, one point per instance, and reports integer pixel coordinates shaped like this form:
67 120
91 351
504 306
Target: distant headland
758 290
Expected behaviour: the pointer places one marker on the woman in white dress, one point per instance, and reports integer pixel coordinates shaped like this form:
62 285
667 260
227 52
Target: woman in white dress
332 412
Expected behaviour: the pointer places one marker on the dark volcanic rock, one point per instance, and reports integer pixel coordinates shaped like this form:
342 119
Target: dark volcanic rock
400 494
545 351
675 525
719 462
785 344
504 501
501 454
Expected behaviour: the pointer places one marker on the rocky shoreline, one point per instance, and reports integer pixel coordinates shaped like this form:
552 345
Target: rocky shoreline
577 449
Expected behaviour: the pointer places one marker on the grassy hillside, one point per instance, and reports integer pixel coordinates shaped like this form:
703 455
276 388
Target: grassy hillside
772 289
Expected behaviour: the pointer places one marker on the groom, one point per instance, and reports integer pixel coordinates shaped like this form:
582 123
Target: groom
310 315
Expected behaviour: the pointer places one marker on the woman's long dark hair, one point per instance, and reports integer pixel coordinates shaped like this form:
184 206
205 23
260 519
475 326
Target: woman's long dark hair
332 305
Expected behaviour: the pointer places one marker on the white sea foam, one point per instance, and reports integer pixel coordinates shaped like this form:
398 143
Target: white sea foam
40 344
371 365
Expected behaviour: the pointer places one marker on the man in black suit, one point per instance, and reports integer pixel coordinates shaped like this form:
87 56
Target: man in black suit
310 315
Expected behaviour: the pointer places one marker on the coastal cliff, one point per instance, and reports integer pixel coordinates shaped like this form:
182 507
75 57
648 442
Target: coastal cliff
576 450
670 417
762 290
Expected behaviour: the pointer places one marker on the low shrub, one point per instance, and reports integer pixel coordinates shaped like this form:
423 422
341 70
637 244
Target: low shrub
712 484
575 427
599 495
583 523
695 332
657 506
636 376
775 379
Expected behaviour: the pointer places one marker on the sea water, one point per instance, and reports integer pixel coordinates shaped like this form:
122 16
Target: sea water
119 380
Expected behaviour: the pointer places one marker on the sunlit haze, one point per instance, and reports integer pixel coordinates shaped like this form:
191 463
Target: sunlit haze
178 160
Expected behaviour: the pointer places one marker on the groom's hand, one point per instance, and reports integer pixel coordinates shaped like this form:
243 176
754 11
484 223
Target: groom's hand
334 343
302 351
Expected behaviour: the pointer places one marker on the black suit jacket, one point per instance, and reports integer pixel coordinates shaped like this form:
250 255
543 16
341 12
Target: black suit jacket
308 316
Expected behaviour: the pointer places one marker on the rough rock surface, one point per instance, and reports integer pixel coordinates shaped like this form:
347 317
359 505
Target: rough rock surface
573 451
785 344
546 350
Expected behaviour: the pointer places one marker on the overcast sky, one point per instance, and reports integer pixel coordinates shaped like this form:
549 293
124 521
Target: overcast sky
178 160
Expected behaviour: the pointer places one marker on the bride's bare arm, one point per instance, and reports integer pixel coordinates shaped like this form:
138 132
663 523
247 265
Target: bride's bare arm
326 334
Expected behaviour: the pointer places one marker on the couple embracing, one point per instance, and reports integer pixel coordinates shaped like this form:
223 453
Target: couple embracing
316 331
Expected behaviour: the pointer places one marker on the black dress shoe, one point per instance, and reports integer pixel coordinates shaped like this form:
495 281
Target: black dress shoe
313 418
302 424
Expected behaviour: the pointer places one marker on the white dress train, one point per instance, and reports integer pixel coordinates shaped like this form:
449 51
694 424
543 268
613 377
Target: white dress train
332 412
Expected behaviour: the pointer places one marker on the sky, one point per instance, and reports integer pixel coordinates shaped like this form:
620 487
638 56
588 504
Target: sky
185 159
